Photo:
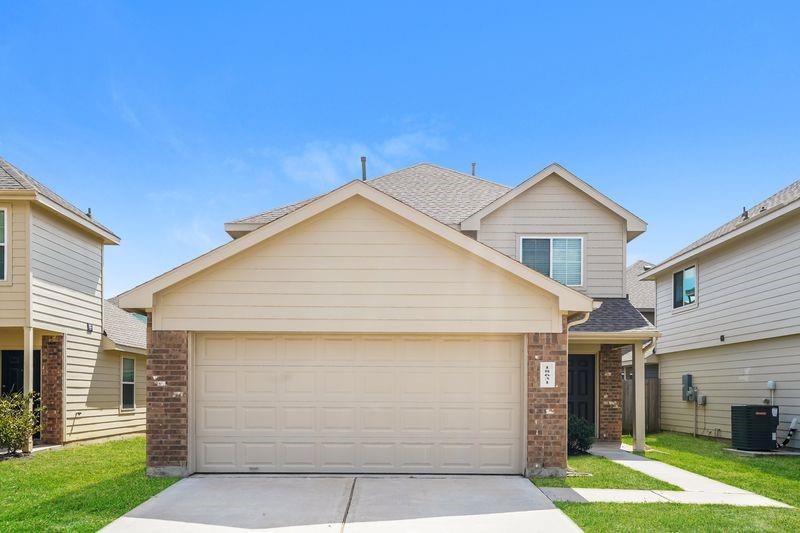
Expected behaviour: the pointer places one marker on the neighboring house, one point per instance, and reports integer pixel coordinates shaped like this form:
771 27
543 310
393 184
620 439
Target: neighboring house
52 317
642 295
727 308
422 321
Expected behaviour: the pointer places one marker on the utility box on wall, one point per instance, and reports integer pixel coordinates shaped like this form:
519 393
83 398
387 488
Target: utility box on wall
688 390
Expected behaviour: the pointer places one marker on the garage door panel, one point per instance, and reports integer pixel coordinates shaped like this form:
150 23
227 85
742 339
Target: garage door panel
341 407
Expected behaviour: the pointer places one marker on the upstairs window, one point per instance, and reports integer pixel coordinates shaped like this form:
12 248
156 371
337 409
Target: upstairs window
3 245
128 385
684 287
560 258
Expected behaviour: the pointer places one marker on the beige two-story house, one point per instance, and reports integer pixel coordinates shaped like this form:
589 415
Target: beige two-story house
85 357
424 321
727 308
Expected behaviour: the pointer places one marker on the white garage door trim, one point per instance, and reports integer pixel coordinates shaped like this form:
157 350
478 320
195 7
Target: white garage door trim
455 404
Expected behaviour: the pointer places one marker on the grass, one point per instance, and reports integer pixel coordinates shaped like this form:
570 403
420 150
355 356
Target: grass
605 475
774 477
675 517
80 488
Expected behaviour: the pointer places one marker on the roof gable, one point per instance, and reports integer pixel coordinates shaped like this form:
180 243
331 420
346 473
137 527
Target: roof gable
635 225
141 297
12 179
444 194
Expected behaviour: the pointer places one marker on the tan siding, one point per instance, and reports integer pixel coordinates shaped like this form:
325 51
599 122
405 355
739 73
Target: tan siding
554 207
66 295
356 268
747 290
727 375
94 388
14 291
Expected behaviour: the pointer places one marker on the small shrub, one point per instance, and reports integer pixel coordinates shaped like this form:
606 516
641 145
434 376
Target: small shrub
580 435
18 420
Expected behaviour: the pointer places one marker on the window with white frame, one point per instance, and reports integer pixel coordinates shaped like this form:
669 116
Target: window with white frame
684 287
128 393
3 244
560 258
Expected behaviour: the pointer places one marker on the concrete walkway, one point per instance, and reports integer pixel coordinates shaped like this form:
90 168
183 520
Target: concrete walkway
348 504
697 489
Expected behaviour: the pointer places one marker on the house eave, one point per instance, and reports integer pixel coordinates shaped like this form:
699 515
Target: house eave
615 336
650 275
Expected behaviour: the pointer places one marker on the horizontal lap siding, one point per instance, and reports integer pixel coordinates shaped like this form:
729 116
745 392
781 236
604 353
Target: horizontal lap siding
356 268
732 374
554 207
14 295
747 290
66 295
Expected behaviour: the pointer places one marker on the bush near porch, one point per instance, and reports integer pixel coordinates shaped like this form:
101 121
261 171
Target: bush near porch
78 488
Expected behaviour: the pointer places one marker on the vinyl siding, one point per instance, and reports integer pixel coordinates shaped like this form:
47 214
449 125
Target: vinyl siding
747 290
14 291
66 296
734 374
356 268
554 207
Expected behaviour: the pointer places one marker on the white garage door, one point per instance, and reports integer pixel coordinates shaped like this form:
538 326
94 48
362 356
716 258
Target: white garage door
358 403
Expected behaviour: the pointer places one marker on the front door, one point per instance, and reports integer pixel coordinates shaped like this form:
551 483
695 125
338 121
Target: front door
580 391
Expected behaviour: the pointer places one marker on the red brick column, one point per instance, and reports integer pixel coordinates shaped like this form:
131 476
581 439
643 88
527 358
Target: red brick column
167 402
547 407
610 410
52 385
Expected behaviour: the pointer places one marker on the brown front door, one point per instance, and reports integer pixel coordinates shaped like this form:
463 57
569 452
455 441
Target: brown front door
580 387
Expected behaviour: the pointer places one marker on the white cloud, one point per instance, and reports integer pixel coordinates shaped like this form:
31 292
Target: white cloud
324 164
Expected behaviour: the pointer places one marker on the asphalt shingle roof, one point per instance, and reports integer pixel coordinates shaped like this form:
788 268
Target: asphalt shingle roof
12 178
615 315
784 196
122 327
444 194
642 294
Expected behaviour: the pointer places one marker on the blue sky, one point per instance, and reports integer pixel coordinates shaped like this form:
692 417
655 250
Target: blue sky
170 118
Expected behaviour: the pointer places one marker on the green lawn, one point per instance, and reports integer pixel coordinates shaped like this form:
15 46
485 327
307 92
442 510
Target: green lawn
80 488
605 475
774 477
675 517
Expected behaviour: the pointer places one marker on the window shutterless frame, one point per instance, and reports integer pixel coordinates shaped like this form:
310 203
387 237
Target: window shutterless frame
4 244
692 305
550 238
123 382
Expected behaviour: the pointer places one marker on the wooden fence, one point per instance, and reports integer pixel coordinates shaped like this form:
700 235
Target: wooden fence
652 395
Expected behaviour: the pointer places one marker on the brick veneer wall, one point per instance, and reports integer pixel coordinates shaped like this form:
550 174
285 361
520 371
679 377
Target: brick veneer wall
52 387
167 402
547 408
610 394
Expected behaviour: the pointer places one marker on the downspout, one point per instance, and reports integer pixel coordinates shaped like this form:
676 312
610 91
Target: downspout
582 317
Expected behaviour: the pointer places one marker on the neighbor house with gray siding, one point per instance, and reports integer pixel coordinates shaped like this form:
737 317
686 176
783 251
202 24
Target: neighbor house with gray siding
728 312
85 357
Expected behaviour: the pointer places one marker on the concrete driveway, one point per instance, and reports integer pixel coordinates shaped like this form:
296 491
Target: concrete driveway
303 504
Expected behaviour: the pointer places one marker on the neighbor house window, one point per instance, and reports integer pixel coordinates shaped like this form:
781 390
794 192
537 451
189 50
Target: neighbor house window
3 244
560 258
128 379
684 287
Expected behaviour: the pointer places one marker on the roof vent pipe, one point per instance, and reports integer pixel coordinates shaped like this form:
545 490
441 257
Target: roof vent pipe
89 213
473 167
745 216
363 168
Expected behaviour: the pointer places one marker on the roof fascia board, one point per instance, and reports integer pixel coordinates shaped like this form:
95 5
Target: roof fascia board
108 237
111 346
613 335
650 275
141 297
635 225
